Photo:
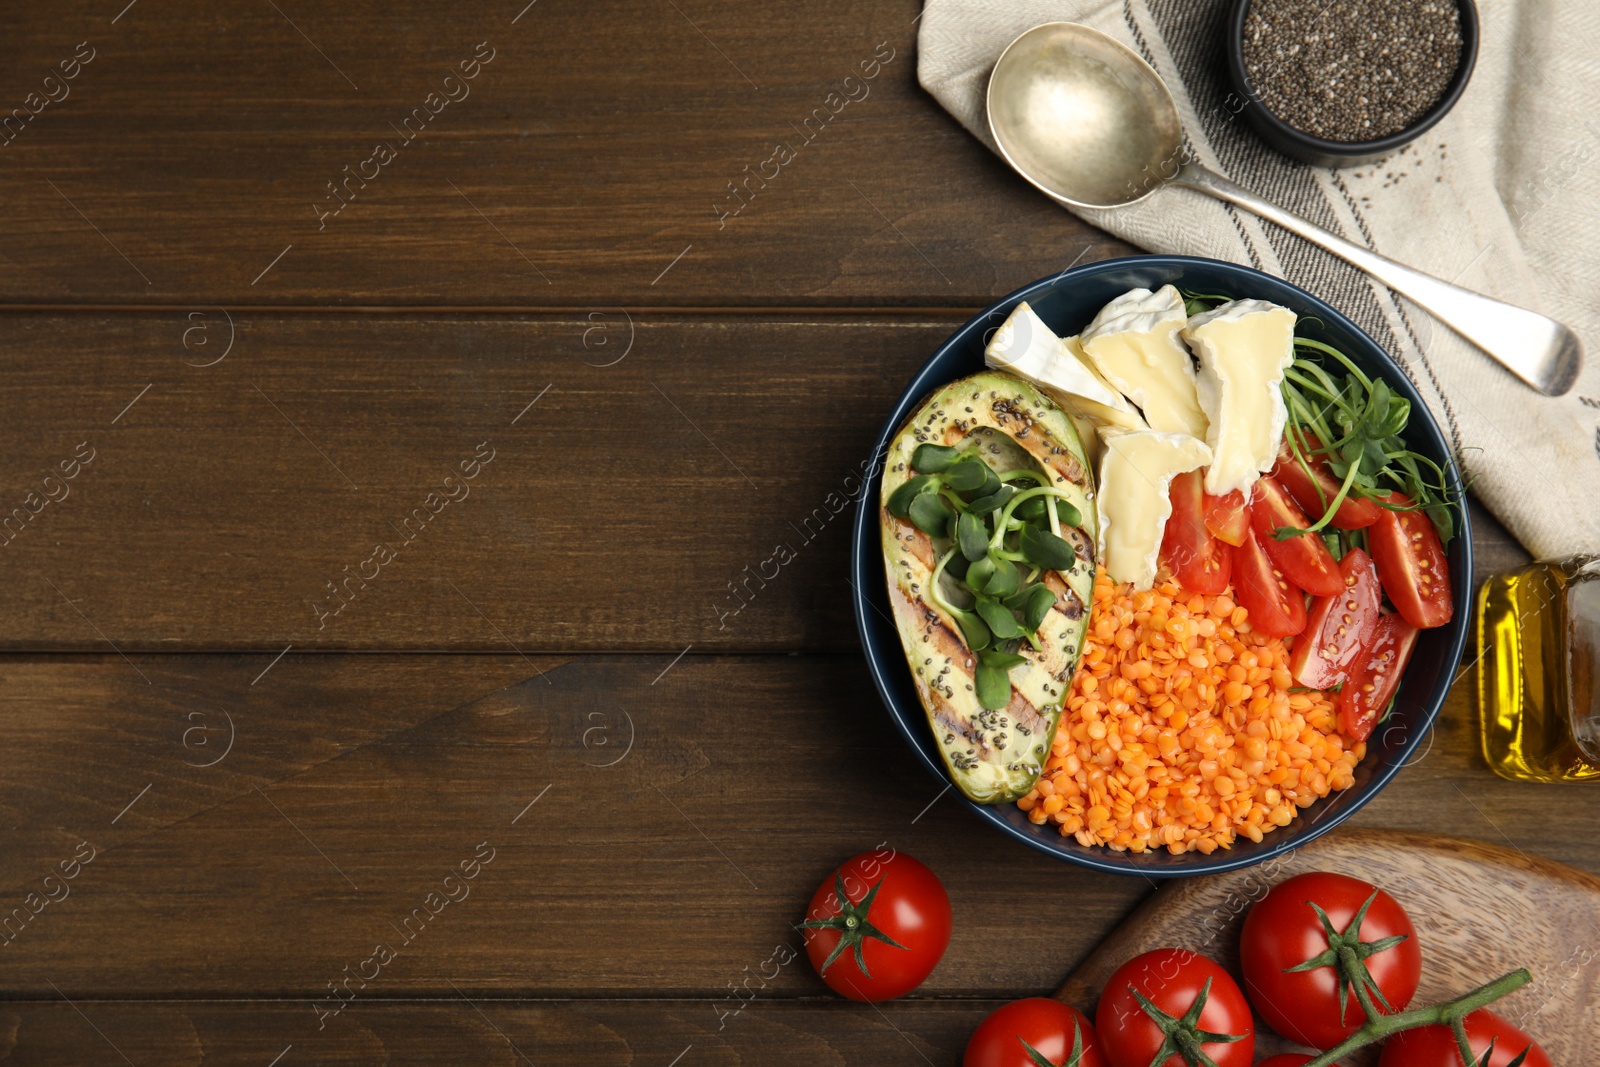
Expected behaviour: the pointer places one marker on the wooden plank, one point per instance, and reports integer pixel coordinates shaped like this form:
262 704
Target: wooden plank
625 507
282 154
770 1032
630 507
667 873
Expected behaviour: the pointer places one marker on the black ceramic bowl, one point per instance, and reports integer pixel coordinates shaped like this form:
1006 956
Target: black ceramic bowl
1066 302
1319 151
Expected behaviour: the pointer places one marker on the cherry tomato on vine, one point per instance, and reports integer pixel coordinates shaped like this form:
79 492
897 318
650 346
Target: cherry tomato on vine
878 927
1284 933
1289 1059
1047 1027
1189 1001
1435 1046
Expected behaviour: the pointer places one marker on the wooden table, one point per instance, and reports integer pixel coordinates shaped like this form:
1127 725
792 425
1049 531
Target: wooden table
529 297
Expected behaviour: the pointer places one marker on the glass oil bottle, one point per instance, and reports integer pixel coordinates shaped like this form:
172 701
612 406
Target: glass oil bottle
1539 671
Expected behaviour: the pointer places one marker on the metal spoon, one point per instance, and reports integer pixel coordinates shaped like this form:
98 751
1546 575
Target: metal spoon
1089 122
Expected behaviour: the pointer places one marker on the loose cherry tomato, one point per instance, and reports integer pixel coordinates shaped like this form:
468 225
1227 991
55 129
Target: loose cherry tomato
1046 1026
1435 1046
1228 516
1315 491
1277 608
1375 677
878 927
1411 565
1283 932
1304 559
1200 562
1339 628
1174 981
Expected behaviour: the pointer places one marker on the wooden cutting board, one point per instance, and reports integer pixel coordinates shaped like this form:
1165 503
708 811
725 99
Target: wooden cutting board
1480 910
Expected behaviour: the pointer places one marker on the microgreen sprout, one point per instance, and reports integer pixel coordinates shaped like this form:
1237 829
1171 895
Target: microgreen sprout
997 533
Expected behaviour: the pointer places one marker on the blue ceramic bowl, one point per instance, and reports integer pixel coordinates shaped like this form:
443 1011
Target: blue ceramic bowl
1067 302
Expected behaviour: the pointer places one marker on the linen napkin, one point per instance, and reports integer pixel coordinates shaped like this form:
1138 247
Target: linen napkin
1500 197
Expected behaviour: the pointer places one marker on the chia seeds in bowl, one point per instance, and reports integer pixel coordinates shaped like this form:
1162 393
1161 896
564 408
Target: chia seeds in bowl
1339 82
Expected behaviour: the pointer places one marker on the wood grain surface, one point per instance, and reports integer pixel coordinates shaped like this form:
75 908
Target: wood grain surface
641 281
1480 910
200 156
219 506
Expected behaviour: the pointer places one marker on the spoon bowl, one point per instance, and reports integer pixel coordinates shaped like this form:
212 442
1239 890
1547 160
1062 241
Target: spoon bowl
1082 117
1088 122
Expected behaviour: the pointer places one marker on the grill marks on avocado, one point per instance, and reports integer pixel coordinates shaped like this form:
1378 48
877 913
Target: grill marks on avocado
993 754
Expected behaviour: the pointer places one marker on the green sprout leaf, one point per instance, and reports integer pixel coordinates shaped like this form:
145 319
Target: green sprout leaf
979 573
930 514
983 505
974 630
967 473
1003 660
1034 603
900 500
973 537
1044 549
993 686
1005 581
1001 622
931 459
991 482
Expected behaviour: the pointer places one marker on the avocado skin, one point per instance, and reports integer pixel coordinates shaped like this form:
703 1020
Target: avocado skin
993 757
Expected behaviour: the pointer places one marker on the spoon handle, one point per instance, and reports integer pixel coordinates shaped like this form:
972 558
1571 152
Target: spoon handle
1537 349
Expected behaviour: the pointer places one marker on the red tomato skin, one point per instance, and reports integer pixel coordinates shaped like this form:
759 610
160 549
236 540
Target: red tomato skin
1303 559
1435 1046
1275 610
1338 628
1288 1059
911 906
1354 513
1043 1023
1172 978
1380 666
1227 516
1411 566
1283 931
1200 562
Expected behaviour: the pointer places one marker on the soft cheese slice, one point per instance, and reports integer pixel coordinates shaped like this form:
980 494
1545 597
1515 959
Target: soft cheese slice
1136 472
1134 344
1244 347
1026 347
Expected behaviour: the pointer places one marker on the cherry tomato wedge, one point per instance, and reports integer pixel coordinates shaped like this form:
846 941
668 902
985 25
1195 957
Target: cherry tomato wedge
1047 1026
1277 608
1375 677
1173 980
1316 490
1411 565
1435 1046
1339 628
878 926
1304 559
1228 516
1200 562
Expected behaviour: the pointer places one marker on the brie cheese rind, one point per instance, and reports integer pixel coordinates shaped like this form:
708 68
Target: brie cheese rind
1134 345
1244 347
1026 347
1136 472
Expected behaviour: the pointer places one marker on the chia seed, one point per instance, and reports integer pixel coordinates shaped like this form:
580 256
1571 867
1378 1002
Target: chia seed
1351 70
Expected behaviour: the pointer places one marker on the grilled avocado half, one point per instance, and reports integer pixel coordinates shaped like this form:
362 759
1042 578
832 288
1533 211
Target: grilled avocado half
993 756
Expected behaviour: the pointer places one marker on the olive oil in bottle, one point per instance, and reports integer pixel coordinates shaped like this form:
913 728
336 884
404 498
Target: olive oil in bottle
1539 671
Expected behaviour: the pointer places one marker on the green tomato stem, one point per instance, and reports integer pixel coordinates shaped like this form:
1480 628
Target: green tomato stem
1450 1013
